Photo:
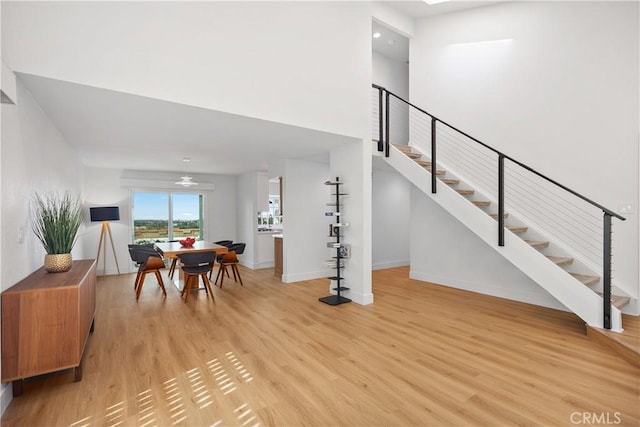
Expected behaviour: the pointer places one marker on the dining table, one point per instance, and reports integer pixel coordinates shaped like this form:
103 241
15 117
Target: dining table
173 249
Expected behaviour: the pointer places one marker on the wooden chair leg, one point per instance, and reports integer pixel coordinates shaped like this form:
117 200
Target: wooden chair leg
224 271
172 268
135 284
233 270
140 283
219 274
187 287
160 282
185 279
236 270
204 281
212 267
207 285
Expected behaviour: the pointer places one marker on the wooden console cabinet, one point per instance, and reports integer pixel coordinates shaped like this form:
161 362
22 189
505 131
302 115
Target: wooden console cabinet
46 321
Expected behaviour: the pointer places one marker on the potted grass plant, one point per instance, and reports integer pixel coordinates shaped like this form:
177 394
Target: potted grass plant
56 219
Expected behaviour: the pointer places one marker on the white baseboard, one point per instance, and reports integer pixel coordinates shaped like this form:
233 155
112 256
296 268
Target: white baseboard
390 264
359 298
257 266
299 277
267 264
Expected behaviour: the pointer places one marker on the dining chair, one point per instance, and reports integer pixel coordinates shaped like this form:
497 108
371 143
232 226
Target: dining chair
229 260
194 265
238 248
138 257
148 261
224 242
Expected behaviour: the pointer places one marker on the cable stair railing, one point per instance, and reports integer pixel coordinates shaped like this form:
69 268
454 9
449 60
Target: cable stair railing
478 172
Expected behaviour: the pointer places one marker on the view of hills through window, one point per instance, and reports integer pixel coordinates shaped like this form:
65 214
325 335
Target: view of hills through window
152 213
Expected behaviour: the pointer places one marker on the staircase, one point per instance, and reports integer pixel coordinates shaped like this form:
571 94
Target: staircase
569 281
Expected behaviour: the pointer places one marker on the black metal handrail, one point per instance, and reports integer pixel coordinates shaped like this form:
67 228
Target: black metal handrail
607 213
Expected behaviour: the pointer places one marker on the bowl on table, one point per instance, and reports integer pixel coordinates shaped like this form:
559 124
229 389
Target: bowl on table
187 242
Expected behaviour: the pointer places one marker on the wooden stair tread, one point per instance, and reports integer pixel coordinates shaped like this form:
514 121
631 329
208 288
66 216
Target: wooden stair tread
402 147
495 215
617 301
538 244
517 229
450 181
558 260
423 163
438 171
481 202
585 279
465 191
412 155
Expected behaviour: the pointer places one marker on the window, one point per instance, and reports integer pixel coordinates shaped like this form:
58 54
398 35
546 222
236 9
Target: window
152 212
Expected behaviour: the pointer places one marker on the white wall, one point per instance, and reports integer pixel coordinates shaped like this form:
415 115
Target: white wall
247 217
394 76
391 74
561 97
445 252
305 228
258 59
391 214
112 187
35 157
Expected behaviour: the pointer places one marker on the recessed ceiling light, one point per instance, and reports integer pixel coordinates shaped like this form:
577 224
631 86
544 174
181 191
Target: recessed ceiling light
431 2
376 35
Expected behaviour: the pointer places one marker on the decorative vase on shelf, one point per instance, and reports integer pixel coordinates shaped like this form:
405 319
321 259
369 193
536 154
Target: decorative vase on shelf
57 263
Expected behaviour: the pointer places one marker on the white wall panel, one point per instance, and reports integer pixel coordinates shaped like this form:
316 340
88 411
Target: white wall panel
560 96
35 158
300 63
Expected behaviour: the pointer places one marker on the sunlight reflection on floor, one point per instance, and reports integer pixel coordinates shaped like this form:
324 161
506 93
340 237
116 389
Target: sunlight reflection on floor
200 380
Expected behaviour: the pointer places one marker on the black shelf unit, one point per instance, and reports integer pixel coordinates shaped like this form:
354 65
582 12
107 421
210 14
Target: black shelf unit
338 246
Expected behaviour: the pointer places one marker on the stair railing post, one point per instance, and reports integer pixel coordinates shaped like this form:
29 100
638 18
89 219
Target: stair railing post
500 200
380 121
606 271
434 182
386 129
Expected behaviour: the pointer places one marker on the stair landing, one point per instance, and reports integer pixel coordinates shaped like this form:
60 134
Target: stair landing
626 343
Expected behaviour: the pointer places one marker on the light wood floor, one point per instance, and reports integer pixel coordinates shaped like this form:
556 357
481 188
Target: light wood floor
270 354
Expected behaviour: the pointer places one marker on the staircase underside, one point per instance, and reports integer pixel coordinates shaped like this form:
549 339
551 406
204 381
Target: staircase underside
574 290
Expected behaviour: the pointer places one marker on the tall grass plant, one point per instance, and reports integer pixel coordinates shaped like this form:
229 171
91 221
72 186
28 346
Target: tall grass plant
56 220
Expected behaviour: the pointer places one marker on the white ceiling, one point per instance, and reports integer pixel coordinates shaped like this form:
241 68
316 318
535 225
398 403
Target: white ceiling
132 132
396 46
420 9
